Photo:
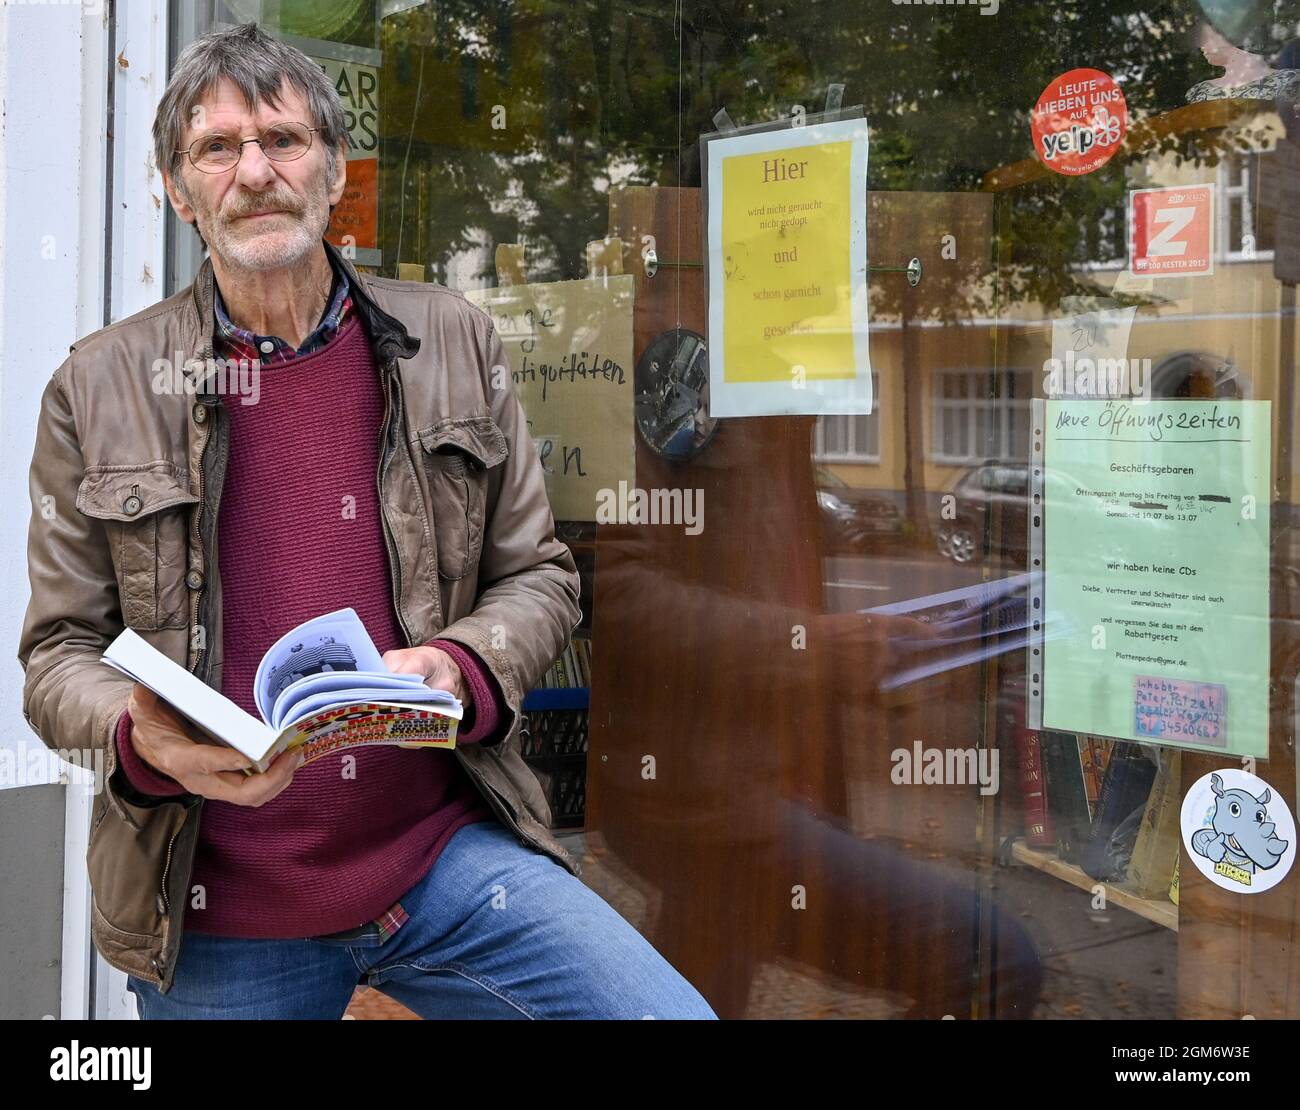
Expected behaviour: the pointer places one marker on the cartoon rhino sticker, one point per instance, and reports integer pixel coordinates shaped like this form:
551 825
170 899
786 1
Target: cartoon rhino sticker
1241 834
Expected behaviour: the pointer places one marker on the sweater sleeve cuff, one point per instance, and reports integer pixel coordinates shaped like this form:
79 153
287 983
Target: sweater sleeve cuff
139 774
484 714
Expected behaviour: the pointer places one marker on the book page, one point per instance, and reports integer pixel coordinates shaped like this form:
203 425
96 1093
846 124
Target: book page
337 641
374 683
413 697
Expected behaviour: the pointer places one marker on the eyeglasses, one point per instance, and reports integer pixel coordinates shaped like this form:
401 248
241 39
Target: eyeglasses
281 142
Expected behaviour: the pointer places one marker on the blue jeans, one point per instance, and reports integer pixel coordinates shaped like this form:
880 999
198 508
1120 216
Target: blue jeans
496 930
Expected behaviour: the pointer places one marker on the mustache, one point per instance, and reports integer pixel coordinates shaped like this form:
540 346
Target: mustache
253 208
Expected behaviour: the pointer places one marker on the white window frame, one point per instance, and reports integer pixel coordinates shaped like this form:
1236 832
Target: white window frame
1229 249
1094 265
118 188
944 408
853 454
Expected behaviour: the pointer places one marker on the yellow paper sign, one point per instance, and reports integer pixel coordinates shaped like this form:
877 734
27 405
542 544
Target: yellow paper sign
570 350
787 272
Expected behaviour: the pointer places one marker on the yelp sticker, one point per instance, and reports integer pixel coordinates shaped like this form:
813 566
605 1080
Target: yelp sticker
1079 122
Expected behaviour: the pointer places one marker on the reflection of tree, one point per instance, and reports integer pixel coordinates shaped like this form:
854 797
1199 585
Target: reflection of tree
558 72
592 91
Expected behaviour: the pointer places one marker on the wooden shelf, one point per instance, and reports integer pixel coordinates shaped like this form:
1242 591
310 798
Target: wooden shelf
1161 911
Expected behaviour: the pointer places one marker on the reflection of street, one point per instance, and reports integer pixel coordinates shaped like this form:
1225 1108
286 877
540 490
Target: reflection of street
1096 963
854 582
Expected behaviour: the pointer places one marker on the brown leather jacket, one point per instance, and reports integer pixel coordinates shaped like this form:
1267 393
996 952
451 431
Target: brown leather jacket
125 481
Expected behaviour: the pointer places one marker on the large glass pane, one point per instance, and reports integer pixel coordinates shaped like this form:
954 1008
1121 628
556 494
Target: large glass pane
907 728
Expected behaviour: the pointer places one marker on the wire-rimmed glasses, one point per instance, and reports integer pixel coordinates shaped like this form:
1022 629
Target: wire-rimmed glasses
216 151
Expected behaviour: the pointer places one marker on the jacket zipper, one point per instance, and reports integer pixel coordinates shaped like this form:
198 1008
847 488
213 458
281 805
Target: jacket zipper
201 656
168 866
498 802
494 798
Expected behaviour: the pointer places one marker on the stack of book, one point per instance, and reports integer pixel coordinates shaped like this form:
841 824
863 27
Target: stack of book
1110 807
572 668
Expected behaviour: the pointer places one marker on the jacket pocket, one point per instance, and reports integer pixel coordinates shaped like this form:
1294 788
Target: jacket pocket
458 454
127 863
145 510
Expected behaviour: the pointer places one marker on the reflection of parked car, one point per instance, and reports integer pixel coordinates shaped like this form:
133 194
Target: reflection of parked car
959 528
853 518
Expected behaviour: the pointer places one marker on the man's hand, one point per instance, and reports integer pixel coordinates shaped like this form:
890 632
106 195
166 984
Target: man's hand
439 669
159 737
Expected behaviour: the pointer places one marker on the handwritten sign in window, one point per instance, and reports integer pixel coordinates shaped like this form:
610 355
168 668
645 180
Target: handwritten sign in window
1176 710
570 349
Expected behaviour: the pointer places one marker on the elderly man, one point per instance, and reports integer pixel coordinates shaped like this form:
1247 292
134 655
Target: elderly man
382 462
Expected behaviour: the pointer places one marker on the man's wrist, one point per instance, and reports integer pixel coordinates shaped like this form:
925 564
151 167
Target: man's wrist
141 776
484 712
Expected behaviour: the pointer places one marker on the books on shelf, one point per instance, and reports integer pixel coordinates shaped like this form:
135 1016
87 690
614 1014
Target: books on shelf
1037 819
1106 806
1155 855
1094 755
1130 774
555 732
1067 794
554 737
322 686
572 668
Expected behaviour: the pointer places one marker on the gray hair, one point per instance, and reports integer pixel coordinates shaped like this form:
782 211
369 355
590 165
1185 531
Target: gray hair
257 64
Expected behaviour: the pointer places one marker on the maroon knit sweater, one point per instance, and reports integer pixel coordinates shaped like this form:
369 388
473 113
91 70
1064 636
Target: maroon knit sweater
338 847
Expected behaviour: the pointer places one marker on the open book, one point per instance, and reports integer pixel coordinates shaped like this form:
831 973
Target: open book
322 686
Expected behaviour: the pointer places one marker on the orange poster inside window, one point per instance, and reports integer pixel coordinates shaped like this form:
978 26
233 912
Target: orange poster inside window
357 212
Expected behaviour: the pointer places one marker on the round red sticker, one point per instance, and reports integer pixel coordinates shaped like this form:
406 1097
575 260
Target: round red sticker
1079 122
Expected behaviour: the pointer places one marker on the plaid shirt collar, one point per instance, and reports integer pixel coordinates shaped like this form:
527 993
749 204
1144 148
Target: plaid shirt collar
236 343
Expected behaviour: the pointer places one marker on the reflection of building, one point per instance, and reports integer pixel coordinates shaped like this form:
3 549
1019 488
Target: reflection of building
978 374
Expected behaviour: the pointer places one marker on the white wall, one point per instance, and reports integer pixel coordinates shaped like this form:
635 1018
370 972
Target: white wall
61 66
52 140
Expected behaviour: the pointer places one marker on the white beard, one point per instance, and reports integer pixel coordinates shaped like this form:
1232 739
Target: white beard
283 240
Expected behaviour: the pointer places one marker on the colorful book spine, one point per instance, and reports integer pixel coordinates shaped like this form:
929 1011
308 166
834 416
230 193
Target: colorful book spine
1094 754
1039 832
